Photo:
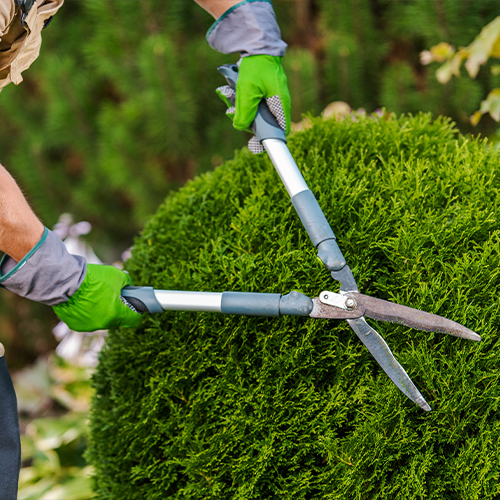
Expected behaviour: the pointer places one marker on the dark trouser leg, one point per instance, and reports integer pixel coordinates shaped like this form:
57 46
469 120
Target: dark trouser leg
10 445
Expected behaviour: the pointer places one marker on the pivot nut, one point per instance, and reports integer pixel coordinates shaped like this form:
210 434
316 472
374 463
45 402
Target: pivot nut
350 303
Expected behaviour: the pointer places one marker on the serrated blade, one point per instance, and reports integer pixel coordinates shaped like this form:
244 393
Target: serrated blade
381 352
384 310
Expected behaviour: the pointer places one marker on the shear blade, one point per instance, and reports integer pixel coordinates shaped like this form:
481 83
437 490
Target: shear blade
384 310
381 352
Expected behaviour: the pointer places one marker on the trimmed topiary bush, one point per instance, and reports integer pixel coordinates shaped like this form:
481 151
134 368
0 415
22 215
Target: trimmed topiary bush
201 405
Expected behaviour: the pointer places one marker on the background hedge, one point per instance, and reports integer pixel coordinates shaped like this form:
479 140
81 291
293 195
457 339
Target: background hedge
208 406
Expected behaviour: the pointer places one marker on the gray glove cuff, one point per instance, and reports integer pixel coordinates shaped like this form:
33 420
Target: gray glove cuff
47 274
248 27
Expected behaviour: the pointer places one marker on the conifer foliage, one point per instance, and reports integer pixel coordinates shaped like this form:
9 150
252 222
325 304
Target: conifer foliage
201 405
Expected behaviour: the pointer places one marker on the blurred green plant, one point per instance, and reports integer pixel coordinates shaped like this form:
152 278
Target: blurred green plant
485 46
53 400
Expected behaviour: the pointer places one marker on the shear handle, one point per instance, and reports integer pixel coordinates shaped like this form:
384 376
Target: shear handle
147 299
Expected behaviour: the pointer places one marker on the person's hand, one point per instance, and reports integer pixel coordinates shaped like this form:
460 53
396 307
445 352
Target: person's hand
260 77
97 305
85 296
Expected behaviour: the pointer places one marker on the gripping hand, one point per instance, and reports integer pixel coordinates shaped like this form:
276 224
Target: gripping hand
259 77
97 305
85 296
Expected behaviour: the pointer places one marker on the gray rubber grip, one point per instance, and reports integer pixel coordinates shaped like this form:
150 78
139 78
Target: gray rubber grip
143 298
330 254
230 73
312 217
265 125
251 304
319 230
295 304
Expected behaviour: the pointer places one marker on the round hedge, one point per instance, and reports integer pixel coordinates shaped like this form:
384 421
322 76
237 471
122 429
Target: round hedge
201 405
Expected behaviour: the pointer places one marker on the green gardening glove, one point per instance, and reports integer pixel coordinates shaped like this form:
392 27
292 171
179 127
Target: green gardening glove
85 296
259 77
96 305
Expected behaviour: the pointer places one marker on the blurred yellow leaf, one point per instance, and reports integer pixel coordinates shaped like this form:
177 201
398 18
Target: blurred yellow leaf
484 46
451 67
490 105
493 100
457 59
495 51
474 119
442 51
439 53
443 74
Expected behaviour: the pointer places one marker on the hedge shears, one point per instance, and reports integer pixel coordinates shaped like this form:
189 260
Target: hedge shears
349 304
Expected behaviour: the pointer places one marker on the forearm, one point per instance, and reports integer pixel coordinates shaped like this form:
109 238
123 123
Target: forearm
38 266
20 229
217 7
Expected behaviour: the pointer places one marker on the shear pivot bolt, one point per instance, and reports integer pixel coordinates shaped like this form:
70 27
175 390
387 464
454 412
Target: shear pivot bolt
350 303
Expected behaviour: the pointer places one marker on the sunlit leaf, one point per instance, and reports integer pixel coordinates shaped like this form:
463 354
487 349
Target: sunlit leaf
490 35
456 61
439 53
474 119
490 105
478 56
486 44
451 67
493 100
28 475
443 74
442 51
51 433
495 51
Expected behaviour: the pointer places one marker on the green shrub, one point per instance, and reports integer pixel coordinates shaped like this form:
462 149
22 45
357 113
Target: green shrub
201 405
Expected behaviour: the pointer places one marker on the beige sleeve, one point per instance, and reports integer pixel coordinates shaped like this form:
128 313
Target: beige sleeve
7 12
20 44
